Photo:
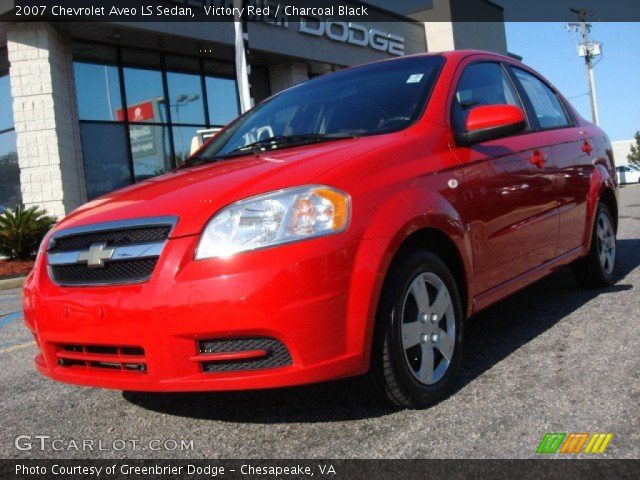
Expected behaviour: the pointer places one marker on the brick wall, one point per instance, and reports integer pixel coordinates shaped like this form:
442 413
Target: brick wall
45 113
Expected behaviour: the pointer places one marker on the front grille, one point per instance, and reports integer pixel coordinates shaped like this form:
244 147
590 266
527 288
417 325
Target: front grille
276 354
105 357
108 253
124 271
128 236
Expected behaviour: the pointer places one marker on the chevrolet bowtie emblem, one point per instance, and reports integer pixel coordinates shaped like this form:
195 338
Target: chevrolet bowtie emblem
96 255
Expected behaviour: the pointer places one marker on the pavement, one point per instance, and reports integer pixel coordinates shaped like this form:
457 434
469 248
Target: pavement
552 358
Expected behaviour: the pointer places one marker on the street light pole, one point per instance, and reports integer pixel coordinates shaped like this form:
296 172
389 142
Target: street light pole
243 68
589 50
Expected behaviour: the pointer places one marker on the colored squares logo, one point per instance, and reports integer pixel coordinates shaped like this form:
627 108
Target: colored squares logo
574 443
551 442
598 443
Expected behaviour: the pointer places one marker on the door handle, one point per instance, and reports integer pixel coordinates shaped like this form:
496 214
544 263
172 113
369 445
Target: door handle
587 148
538 159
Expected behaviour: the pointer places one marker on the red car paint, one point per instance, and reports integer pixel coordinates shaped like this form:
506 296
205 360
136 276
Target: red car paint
488 116
514 208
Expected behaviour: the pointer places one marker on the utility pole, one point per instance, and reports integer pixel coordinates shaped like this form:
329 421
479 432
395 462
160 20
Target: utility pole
589 50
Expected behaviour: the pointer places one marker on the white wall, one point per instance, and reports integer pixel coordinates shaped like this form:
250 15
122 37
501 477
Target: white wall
621 149
45 114
443 33
287 74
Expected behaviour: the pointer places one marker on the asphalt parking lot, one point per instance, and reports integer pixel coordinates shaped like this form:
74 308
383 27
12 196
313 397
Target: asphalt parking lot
552 358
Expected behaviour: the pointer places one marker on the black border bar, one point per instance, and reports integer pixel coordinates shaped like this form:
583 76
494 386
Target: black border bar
322 469
376 10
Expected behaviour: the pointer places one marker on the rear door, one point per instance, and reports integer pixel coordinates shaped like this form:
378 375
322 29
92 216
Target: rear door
573 151
509 182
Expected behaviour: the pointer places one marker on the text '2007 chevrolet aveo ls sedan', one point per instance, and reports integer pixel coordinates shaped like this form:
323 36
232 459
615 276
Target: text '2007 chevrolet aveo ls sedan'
346 226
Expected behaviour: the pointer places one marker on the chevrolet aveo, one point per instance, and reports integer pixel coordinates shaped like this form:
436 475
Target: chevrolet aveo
346 226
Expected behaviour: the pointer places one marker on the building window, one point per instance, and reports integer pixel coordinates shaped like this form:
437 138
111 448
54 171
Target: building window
182 139
104 151
185 98
10 195
150 145
98 88
6 105
145 95
139 110
221 96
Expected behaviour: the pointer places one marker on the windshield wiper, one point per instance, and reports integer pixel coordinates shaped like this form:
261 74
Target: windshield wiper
280 141
271 143
194 161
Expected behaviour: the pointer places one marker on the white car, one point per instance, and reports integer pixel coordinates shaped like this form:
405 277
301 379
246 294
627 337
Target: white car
628 174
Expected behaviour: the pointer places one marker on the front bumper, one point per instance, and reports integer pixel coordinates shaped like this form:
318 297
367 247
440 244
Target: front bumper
298 294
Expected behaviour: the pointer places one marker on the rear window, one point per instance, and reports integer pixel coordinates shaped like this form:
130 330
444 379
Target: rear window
546 105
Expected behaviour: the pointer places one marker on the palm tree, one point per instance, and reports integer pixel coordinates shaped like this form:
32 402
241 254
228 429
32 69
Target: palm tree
22 230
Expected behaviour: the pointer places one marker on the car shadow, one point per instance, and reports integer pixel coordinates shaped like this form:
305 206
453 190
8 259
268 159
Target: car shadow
499 330
491 336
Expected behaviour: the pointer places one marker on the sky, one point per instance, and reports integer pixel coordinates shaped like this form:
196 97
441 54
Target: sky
549 49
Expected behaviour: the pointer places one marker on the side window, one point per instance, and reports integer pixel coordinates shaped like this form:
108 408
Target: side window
545 103
481 84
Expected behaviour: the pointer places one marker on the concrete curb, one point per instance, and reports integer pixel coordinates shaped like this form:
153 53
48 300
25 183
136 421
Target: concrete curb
10 283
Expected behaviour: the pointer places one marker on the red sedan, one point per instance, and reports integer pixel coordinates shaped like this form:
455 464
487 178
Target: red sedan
346 226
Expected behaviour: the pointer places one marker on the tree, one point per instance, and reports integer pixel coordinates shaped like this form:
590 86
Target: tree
22 230
634 156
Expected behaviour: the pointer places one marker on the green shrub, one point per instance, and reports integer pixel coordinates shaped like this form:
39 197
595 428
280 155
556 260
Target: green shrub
22 230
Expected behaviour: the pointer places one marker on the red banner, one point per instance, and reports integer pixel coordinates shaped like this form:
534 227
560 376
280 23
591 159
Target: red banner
137 113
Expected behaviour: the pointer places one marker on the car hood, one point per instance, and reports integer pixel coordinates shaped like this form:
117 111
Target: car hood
194 194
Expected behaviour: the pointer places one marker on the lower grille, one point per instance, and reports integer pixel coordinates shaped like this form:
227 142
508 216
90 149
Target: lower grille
124 271
234 354
106 357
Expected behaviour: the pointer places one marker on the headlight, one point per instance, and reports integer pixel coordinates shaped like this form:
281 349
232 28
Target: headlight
273 219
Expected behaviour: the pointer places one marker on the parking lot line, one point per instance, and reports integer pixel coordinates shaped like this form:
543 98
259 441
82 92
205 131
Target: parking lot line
17 347
7 319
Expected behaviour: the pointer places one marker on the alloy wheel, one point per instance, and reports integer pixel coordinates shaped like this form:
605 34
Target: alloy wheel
606 243
428 328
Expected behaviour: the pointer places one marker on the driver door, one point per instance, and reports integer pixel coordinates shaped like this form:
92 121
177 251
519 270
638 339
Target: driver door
509 183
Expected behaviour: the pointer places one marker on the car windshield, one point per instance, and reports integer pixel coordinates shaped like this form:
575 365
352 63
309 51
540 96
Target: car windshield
373 99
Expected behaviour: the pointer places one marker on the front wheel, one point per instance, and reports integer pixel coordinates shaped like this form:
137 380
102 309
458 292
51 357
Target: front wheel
418 341
597 269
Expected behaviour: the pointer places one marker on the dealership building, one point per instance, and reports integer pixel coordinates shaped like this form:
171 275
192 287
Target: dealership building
86 108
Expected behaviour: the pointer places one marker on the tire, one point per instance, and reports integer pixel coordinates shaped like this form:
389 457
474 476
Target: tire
598 268
398 374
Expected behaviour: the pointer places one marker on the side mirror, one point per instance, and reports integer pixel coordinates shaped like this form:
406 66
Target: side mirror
488 122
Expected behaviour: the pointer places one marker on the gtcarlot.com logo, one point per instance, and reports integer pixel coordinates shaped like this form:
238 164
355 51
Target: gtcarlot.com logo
49 443
574 443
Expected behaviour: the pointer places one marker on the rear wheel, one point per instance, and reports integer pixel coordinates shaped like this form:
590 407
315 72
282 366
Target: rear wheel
418 341
597 269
